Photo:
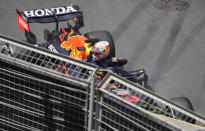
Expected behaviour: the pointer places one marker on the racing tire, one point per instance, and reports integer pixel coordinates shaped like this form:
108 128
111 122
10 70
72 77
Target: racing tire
50 36
17 52
6 49
183 101
47 35
186 103
103 36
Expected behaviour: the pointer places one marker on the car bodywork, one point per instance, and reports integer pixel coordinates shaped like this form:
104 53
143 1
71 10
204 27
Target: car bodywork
70 40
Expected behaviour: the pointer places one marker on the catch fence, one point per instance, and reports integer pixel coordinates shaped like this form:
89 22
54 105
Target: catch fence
122 105
41 90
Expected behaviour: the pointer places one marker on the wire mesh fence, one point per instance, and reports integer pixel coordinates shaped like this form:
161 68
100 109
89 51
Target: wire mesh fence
124 106
40 90
117 117
30 101
22 52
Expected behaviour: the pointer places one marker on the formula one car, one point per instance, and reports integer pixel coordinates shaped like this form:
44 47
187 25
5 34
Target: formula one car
69 41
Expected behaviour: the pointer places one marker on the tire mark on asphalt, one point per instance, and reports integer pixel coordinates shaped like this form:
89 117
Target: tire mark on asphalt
168 62
129 19
151 29
161 65
199 105
187 42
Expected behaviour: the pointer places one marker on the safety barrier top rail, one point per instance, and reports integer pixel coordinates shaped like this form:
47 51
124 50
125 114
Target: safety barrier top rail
135 97
36 57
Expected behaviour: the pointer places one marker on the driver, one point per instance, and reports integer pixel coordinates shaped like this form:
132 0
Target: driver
100 56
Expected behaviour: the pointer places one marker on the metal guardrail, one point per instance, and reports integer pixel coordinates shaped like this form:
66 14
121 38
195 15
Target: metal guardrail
21 52
30 101
125 106
40 90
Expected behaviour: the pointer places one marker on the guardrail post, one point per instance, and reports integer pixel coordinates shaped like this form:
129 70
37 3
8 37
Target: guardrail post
98 111
91 103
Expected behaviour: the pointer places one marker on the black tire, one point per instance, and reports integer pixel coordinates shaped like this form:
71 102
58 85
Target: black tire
103 36
6 49
183 101
47 35
186 103
16 52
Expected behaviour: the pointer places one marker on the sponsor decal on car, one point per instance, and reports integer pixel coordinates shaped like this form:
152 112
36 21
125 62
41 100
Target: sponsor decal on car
151 108
51 47
121 92
50 12
131 98
22 24
72 42
114 85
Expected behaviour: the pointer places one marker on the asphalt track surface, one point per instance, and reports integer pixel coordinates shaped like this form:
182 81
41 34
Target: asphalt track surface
169 45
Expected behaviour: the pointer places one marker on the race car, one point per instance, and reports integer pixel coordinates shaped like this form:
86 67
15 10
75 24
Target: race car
70 42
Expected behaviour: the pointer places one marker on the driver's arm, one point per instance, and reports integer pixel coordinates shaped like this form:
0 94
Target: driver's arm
115 61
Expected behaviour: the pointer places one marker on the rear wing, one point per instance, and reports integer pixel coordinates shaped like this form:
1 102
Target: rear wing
63 13
57 14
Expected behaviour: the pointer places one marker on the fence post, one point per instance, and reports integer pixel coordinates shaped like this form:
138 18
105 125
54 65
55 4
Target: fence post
91 103
98 111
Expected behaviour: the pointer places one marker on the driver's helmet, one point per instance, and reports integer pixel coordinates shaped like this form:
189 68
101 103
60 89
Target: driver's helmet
100 50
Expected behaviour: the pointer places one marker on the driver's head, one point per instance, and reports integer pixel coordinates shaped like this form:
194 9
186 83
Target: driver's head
100 50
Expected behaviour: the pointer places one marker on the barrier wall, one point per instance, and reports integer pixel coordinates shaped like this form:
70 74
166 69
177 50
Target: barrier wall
123 105
30 101
40 90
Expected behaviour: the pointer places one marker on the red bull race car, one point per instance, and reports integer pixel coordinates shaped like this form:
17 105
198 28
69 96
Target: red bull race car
70 42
